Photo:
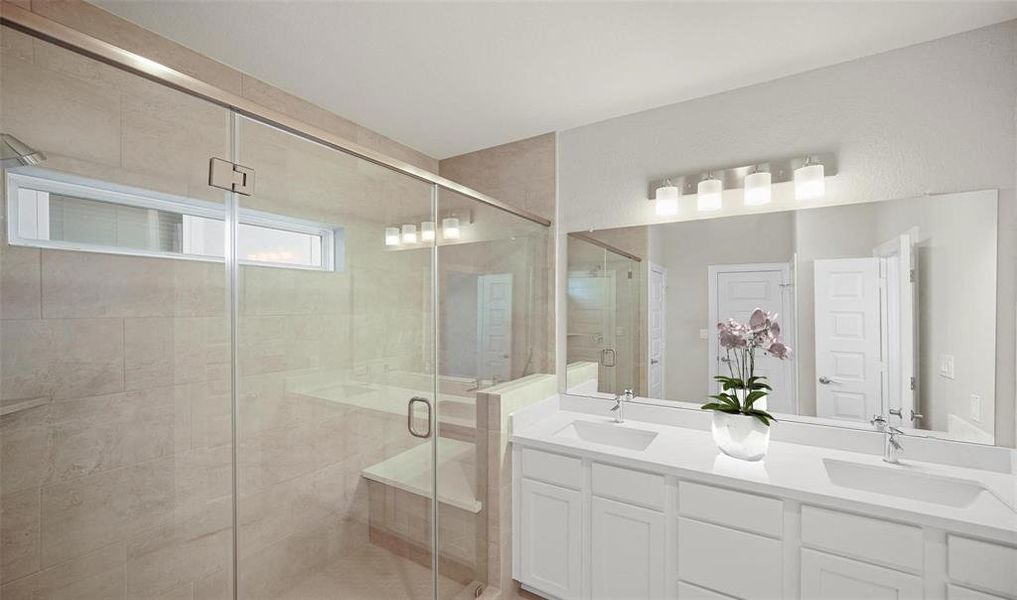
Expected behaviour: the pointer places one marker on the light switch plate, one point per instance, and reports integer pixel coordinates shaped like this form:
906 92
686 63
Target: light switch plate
946 368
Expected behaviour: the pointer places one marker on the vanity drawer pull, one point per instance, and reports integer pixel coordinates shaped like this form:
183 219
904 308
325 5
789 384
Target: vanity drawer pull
989 566
560 470
626 485
740 510
873 540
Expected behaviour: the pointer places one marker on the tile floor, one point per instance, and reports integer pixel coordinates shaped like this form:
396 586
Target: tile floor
374 573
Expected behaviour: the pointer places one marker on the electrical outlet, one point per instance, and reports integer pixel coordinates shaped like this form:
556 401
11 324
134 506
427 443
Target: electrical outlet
976 408
946 366
704 334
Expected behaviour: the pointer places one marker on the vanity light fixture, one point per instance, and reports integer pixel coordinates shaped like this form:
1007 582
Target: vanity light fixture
409 234
427 231
391 236
666 199
450 228
757 188
759 181
810 182
709 193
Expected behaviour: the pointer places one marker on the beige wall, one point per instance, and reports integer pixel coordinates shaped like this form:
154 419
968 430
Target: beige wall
118 481
115 454
105 26
521 174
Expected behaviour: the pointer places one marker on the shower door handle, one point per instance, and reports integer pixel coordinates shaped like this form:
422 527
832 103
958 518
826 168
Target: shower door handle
409 416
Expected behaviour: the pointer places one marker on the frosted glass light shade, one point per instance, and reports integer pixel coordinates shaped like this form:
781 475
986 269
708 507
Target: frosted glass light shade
391 236
666 200
450 228
757 188
409 234
810 183
427 231
709 194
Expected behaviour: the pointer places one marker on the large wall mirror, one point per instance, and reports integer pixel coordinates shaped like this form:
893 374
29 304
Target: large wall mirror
889 308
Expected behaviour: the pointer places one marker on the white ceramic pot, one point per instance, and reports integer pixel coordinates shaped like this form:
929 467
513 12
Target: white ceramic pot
740 436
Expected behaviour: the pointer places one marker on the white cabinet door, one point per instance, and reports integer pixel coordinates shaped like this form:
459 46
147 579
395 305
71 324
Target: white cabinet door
552 539
828 577
627 550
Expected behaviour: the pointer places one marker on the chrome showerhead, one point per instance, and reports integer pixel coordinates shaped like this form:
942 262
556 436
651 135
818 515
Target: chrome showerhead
15 153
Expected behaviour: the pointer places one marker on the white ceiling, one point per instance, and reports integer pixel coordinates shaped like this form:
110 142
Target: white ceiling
449 78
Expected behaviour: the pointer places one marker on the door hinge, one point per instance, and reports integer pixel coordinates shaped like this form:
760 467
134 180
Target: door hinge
911 275
912 384
229 176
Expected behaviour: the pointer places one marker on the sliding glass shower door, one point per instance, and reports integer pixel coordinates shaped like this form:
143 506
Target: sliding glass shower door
334 345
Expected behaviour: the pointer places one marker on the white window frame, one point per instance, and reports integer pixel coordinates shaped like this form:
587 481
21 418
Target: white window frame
44 180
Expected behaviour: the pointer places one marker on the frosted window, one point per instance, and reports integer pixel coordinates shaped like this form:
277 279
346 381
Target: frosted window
72 213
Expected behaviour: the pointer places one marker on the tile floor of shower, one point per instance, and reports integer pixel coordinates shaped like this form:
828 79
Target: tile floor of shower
372 573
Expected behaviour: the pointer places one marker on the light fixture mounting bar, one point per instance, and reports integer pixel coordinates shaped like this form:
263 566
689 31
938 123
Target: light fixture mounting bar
780 170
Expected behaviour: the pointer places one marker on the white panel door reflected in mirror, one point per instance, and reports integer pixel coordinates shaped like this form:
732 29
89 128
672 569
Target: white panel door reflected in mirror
889 307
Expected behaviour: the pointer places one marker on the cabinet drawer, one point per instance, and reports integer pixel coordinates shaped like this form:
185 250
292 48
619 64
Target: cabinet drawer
873 540
956 592
733 509
828 577
560 470
708 553
634 487
687 591
982 564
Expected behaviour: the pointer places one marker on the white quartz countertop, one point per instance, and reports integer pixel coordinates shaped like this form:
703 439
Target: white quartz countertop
792 471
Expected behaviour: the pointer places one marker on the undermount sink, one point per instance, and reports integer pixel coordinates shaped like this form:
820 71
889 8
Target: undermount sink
899 481
607 434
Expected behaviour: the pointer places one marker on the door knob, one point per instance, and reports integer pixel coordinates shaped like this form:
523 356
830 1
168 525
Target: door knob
654 361
826 380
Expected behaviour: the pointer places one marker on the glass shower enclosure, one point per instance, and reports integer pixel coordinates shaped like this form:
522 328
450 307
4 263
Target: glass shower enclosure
606 332
262 392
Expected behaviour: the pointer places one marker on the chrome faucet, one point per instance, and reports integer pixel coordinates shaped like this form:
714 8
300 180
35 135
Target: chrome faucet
892 447
619 405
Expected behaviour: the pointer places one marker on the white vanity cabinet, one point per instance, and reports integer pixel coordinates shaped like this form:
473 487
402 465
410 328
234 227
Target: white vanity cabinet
550 531
590 530
626 551
627 525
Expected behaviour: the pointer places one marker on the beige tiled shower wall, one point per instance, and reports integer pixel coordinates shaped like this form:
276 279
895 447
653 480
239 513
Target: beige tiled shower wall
115 462
521 174
105 26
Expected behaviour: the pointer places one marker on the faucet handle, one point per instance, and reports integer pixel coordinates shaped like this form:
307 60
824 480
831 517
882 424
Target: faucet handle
879 422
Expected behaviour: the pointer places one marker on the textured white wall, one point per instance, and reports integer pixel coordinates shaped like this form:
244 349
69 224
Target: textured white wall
935 117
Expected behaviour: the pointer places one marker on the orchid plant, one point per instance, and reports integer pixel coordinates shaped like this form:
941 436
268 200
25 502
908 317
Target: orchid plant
741 342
